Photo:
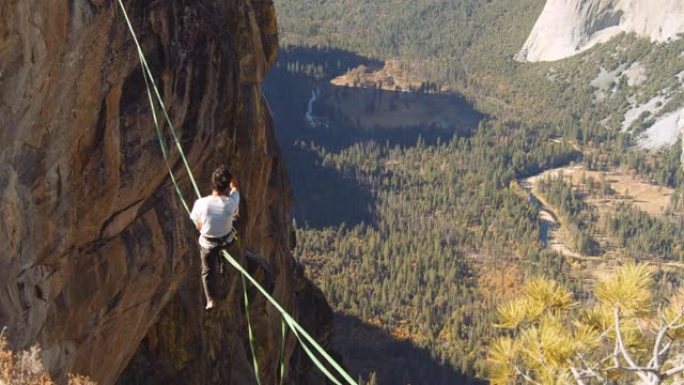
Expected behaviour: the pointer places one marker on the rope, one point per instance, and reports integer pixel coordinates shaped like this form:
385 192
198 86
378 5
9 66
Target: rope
250 334
282 351
146 69
147 76
162 143
297 329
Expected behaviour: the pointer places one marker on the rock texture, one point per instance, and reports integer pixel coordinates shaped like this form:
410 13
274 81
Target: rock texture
567 27
664 131
97 253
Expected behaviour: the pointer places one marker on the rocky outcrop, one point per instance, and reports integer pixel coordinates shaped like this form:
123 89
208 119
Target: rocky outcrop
567 27
97 253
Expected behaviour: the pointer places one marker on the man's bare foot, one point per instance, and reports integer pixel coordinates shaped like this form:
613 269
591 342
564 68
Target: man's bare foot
210 305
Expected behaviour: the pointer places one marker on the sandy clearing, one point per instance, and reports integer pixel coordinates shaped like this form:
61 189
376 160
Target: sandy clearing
628 188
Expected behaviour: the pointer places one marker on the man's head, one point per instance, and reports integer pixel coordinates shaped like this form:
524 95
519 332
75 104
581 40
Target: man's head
220 179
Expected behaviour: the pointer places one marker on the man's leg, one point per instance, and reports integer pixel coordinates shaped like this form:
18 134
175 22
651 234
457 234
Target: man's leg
208 257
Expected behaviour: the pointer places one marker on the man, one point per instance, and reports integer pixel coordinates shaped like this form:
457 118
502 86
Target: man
213 215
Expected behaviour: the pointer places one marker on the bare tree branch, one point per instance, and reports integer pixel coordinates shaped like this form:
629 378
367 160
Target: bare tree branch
577 375
591 370
526 377
625 353
674 371
665 327
656 347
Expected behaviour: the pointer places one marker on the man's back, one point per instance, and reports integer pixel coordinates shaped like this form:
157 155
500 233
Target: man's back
215 214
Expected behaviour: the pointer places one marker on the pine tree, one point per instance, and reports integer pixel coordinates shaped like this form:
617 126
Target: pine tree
551 339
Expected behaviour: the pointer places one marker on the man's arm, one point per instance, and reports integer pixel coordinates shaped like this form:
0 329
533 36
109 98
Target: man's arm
195 216
234 196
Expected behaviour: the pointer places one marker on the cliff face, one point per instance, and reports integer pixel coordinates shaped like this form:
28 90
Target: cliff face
97 253
567 27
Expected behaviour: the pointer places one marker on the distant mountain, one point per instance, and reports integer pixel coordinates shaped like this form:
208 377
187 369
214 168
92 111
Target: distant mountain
630 81
567 27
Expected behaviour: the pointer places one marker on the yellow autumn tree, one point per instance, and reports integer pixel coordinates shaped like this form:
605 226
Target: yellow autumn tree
617 337
26 368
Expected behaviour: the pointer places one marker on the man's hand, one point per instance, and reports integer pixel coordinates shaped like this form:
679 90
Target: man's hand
198 225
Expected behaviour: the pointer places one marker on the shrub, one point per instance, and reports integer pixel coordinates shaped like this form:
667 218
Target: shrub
25 368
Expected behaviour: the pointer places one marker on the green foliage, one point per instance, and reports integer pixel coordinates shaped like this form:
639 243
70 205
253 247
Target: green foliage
429 225
408 271
469 45
664 168
644 236
381 29
576 214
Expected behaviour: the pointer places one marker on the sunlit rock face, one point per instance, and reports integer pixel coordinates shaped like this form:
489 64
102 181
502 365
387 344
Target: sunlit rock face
567 27
97 252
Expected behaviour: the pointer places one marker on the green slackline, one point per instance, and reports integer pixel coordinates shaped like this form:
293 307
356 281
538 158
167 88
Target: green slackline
282 351
147 76
146 70
162 142
297 329
250 334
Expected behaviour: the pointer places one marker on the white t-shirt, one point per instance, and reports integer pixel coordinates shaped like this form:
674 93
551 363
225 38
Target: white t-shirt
215 214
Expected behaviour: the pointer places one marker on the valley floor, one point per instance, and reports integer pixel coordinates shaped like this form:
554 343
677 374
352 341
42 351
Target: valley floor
623 187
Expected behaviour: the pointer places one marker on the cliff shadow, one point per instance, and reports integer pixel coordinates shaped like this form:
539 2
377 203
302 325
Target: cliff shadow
314 117
366 349
321 195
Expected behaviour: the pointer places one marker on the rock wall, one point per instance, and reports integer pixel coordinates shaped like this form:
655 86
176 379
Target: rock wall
567 27
97 253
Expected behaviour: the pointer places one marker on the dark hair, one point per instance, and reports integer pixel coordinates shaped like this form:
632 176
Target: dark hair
220 179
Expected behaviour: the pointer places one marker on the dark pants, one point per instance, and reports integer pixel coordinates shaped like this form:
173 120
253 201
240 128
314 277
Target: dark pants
210 269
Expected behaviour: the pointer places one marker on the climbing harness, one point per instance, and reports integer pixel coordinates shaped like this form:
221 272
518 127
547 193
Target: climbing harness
308 343
221 241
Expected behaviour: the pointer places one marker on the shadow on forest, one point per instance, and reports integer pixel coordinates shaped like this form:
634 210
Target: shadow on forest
322 196
366 348
339 118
